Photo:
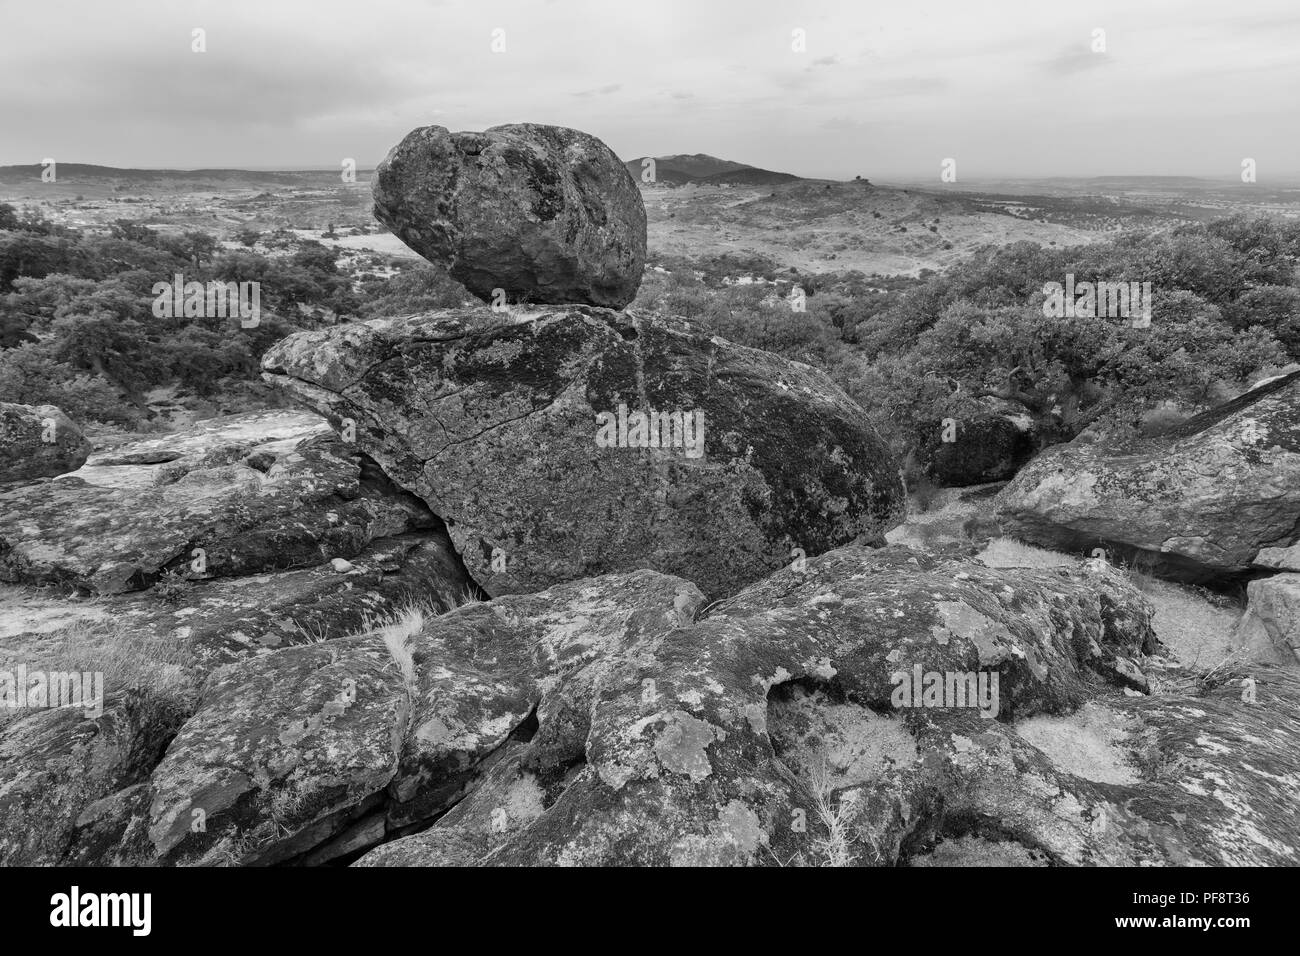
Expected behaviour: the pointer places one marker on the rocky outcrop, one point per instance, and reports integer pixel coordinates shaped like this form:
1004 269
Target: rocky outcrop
38 441
385 730
621 720
974 451
543 213
1218 497
525 439
74 786
765 733
1270 627
231 510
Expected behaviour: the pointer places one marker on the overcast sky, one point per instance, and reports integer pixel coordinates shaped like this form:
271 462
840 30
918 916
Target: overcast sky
885 90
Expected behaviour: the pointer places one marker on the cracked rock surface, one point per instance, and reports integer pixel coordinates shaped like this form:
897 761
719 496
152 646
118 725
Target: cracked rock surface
1219 496
74 783
494 424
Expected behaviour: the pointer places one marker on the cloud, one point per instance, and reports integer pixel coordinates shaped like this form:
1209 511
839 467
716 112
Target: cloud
306 82
1074 60
601 91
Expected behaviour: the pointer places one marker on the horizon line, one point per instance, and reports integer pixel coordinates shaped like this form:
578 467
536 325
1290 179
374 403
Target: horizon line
909 178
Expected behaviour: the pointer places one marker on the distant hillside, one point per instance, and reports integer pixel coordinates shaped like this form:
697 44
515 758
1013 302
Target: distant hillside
89 173
701 168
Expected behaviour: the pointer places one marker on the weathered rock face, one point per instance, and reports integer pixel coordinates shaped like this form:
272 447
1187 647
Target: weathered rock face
618 720
984 448
1219 496
74 785
38 441
495 426
1270 627
766 733
248 510
302 753
547 214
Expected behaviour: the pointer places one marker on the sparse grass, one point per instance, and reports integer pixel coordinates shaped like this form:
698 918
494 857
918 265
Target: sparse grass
171 587
1140 571
231 850
454 599
126 658
158 665
1218 675
286 808
835 847
1202 680
315 632
397 631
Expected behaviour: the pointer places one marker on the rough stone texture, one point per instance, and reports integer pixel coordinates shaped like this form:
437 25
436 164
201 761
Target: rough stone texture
287 751
170 648
986 448
74 788
248 509
1216 497
719 742
777 702
160 459
1270 627
618 720
24 451
59 764
494 426
547 214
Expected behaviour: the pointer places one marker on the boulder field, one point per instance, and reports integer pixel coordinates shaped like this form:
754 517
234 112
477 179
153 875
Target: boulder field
568 585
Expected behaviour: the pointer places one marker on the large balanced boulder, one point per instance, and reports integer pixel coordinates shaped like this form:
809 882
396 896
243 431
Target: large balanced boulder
1217 497
38 441
543 213
527 439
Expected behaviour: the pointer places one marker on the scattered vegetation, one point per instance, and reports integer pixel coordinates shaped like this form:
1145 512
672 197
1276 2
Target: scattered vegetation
1225 312
77 329
171 586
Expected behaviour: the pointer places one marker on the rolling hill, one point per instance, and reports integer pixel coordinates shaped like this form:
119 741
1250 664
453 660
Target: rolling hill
704 169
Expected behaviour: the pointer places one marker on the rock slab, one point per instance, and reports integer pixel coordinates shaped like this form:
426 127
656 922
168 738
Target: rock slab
1218 497
514 434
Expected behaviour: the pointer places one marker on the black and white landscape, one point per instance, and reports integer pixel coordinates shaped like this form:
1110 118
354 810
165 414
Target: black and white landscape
689 434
